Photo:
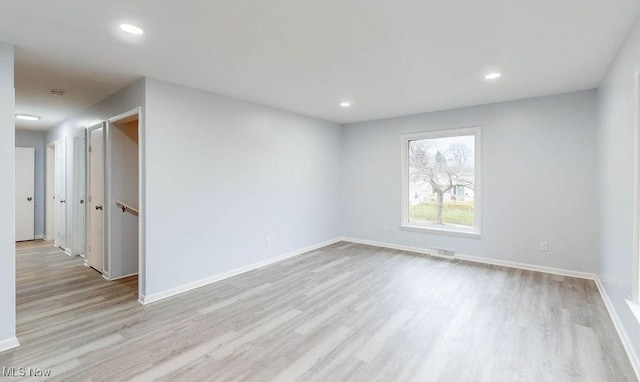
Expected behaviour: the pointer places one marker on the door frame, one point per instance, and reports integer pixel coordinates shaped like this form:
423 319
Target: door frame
50 192
141 191
635 291
87 211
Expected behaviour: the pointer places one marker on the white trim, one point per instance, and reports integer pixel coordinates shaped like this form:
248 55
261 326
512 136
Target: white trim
38 237
126 114
147 299
407 248
68 252
476 259
635 290
476 230
453 231
9 343
122 277
106 205
617 323
528 267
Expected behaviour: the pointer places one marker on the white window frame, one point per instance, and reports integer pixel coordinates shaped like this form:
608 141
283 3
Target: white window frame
404 187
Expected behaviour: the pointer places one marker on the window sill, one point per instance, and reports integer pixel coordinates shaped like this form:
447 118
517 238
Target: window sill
444 231
635 309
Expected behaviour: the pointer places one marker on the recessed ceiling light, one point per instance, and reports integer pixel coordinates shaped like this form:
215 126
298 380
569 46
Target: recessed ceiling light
131 29
27 117
493 76
345 104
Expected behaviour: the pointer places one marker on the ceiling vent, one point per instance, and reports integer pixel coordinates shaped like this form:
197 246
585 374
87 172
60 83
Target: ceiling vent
56 92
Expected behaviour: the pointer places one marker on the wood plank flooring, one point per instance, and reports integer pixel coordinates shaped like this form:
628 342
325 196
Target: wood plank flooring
347 312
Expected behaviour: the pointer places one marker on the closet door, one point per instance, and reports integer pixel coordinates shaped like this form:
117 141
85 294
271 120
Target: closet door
60 239
79 197
95 196
25 191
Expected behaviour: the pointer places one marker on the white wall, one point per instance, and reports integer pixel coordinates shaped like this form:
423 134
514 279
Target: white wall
538 180
7 201
223 174
617 134
36 139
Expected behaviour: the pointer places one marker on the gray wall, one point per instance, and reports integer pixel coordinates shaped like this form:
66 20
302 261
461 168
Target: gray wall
36 139
223 174
617 135
538 180
7 201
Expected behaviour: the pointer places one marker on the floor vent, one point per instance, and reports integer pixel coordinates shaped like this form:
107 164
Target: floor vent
439 252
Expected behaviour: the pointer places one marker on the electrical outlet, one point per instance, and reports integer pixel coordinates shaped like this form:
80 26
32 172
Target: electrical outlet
384 228
544 246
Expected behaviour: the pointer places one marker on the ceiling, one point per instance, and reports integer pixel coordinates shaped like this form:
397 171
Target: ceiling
386 57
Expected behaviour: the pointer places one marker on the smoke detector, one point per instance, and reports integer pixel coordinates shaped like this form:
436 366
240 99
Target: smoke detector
56 92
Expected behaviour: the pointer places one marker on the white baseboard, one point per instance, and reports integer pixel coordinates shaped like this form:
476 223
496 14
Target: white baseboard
9 343
38 237
123 277
147 299
626 341
424 251
528 267
483 260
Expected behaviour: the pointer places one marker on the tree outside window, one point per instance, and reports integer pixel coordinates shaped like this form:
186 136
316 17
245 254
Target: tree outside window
440 172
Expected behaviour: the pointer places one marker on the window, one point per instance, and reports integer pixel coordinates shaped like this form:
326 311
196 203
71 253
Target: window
441 181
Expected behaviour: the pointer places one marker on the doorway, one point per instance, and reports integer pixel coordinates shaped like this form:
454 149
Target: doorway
123 195
25 193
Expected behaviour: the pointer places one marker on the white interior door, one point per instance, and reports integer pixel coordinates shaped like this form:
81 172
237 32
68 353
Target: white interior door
60 180
50 204
79 190
25 191
95 248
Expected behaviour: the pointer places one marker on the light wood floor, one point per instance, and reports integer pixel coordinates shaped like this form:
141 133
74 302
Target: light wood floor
347 312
